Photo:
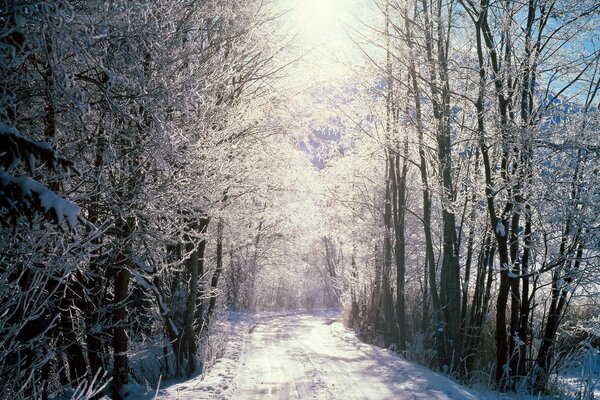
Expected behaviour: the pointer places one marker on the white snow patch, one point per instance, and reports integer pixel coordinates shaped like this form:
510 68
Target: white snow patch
8 130
217 383
64 209
500 229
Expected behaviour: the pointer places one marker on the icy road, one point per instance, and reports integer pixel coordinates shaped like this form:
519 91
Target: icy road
311 356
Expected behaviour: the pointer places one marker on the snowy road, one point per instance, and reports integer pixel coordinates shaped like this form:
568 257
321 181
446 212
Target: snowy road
312 356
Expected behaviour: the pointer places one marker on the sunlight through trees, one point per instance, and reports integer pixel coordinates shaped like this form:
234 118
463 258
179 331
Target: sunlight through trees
429 168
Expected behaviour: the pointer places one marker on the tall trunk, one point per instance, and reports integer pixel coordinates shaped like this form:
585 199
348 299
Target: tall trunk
354 310
525 300
189 339
93 284
521 315
200 321
193 311
121 292
427 207
388 302
500 225
132 181
450 288
558 305
73 351
399 204
376 293
480 303
515 350
397 189
214 283
464 325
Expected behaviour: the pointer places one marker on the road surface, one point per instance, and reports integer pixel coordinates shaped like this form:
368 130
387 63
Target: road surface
312 356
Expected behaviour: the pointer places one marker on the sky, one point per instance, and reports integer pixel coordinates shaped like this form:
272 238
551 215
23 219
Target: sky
322 32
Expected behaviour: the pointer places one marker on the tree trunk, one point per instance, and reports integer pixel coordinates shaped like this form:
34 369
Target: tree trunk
214 283
399 204
388 301
525 300
481 299
121 364
439 85
390 322
354 310
427 207
189 339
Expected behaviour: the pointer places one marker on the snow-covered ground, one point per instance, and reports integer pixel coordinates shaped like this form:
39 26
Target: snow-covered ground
311 356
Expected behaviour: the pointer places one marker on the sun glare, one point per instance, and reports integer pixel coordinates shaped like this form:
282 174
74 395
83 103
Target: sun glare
320 38
318 21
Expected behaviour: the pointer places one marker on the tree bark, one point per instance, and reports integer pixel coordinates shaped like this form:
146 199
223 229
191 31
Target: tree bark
214 283
399 205
121 362
388 301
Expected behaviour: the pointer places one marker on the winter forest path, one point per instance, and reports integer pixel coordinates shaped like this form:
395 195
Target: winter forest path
312 356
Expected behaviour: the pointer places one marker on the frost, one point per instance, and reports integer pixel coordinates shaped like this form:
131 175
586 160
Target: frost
12 135
8 130
518 341
149 287
142 281
49 201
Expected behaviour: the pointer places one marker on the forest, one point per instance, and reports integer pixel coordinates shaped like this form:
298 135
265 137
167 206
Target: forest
430 168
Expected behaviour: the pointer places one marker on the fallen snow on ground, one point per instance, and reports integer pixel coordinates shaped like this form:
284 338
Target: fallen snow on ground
311 356
220 381
580 376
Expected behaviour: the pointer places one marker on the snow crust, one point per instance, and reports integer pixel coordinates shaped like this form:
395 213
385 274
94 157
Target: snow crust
49 200
8 130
